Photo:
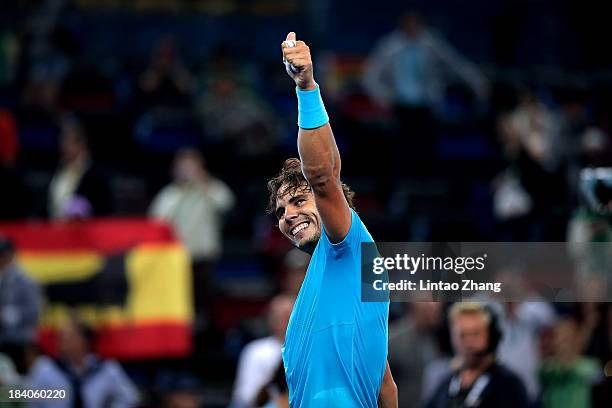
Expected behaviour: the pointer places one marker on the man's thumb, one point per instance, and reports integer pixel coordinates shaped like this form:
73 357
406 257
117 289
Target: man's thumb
290 36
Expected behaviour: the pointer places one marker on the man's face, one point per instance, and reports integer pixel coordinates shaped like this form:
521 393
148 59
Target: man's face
186 169
72 344
298 218
470 333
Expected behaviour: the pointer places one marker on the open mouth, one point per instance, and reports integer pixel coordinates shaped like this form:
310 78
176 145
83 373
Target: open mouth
301 226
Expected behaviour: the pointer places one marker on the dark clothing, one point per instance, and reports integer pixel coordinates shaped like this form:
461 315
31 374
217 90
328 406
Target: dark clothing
497 387
203 286
89 197
413 150
76 380
19 306
95 188
16 202
101 384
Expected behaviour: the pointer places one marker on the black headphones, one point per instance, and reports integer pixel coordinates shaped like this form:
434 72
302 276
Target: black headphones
495 333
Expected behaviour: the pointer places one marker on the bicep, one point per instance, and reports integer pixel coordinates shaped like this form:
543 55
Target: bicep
333 209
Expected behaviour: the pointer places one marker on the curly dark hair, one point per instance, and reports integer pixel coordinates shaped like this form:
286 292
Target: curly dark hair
291 175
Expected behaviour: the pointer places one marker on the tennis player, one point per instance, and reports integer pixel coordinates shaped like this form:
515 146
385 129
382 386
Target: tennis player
335 351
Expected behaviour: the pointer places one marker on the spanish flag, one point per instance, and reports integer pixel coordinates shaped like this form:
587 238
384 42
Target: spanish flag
129 278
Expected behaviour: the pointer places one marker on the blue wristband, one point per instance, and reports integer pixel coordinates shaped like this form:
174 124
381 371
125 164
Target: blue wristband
311 111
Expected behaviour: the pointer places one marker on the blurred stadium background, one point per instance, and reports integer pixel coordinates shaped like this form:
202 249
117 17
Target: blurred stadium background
524 103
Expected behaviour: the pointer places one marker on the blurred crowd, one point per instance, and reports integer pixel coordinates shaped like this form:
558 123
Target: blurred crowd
439 145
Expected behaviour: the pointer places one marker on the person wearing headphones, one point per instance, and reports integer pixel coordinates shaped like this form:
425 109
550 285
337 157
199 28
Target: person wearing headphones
480 381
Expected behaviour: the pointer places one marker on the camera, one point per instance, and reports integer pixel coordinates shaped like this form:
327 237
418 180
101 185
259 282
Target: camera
596 189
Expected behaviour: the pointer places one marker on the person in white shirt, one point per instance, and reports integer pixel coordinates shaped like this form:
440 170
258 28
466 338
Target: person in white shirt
260 358
522 324
194 203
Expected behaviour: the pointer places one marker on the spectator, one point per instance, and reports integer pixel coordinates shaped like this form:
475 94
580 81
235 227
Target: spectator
166 82
590 232
275 394
479 380
567 377
412 345
89 381
591 222
534 144
233 116
78 189
522 324
406 67
194 203
434 373
406 71
534 129
19 307
260 358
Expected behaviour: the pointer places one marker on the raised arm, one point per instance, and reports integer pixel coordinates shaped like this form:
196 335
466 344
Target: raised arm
316 145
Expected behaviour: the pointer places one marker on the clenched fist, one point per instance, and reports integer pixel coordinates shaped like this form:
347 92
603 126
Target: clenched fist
297 55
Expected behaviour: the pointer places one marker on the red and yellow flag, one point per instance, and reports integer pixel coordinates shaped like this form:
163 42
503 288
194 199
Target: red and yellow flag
129 278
